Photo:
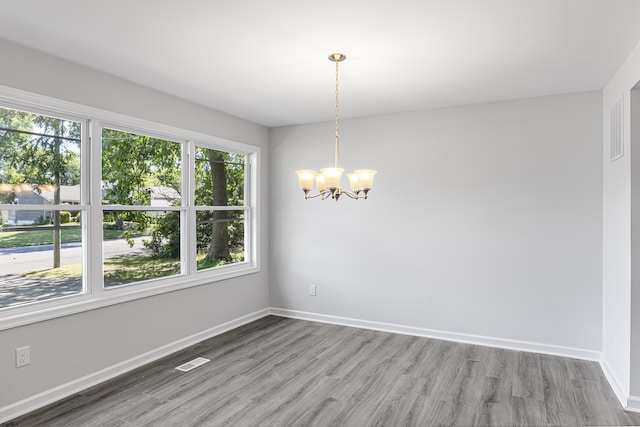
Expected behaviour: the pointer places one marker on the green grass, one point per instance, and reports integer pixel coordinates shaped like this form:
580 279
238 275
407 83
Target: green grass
203 262
9 239
130 269
117 271
73 271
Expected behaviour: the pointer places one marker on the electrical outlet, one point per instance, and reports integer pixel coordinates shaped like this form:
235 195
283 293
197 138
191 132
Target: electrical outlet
23 356
312 290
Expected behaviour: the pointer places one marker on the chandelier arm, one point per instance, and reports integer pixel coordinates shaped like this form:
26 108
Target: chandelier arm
313 196
326 194
355 196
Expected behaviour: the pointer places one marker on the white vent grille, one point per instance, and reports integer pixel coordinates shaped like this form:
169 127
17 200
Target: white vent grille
617 132
192 364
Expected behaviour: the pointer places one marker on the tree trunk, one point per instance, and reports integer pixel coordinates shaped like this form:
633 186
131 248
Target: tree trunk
219 248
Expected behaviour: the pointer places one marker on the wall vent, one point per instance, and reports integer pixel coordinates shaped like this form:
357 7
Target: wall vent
185 367
617 131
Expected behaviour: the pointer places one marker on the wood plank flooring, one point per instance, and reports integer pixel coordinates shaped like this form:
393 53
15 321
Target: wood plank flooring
286 372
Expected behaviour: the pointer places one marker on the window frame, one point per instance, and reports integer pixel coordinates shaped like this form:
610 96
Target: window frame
94 295
245 208
102 208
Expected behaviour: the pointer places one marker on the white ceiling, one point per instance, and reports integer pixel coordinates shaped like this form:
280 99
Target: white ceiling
266 61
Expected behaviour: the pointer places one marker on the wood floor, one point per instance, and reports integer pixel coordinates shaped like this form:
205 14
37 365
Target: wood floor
285 372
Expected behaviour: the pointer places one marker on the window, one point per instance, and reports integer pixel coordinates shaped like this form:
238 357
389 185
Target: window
141 187
219 198
41 234
95 207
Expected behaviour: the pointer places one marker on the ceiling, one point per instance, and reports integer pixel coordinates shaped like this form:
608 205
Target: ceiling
266 61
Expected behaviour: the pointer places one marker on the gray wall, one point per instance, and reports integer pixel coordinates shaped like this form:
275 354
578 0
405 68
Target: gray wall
621 242
634 144
68 348
484 220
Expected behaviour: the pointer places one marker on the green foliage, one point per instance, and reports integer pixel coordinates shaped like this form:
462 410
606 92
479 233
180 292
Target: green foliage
38 149
7 195
65 217
165 237
234 165
132 163
42 220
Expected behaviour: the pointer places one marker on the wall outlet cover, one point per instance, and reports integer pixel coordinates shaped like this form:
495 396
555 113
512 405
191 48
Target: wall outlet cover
23 356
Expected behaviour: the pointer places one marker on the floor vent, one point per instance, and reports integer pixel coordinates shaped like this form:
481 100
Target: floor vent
617 131
185 367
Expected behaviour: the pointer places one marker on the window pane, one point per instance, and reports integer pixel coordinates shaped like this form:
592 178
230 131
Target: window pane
40 249
39 261
140 170
39 159
220 238
219 178
139 245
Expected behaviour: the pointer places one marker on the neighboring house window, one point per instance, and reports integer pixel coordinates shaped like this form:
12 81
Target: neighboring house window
41 238
91 211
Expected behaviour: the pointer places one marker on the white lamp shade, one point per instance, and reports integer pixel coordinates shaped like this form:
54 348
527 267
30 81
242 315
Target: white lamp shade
305 178
332 176
365 178
320 183
353 182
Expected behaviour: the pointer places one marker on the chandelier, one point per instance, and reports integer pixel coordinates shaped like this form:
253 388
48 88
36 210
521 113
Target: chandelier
328 180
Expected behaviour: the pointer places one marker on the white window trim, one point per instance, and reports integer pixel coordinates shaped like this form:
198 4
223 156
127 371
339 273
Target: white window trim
96 296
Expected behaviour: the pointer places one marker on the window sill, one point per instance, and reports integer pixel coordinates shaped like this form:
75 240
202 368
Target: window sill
66 306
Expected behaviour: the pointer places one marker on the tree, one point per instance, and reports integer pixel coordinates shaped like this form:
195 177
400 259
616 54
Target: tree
219 247
131 164
42 152
219 182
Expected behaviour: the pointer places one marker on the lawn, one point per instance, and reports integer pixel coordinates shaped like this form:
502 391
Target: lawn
130 269
117 271
70 232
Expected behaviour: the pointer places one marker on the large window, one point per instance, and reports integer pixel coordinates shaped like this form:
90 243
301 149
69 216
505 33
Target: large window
90 210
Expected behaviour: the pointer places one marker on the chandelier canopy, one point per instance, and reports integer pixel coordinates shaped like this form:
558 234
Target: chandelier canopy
328 180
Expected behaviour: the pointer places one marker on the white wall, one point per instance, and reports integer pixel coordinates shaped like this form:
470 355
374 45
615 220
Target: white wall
66 349
484 220
621 293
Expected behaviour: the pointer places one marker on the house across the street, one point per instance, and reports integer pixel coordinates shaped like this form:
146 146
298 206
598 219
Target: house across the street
43 196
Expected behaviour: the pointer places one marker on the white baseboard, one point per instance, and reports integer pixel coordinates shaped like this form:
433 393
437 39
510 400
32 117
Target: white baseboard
633 404
533 347
49 396
622 396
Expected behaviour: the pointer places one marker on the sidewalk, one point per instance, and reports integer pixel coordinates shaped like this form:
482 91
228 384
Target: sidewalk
15 289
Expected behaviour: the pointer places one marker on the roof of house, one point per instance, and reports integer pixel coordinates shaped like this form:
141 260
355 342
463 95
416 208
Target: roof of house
68 193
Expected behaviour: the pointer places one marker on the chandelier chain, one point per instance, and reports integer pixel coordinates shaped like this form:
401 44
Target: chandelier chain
337 111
